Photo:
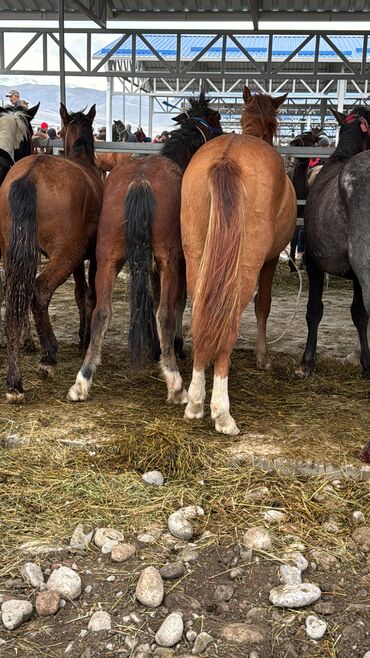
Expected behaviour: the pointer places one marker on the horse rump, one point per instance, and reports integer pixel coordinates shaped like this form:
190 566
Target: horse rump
139 210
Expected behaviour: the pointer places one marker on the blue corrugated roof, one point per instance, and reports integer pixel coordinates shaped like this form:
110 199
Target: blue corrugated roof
257 46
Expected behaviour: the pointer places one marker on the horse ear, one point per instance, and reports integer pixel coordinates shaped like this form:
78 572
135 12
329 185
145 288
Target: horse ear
338 115
91 113
279 100
181 118
246 94
32 111
64 114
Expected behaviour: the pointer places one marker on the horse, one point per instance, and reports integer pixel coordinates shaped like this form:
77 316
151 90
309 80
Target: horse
299 177
15 131
338 231
49 205
238 211
140 223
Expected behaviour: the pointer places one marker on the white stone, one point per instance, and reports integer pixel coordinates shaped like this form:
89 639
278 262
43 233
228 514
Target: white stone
367 654
154 478
103 534
274 516
111 578
201 643
192 511
81 539
122 552
32 574
15 612
294 596
257 494
100 621
66 581
146 538
362 538
297 559
170 632
290 575
258 539
358 519
179 526
315 627
191 636
106 549
149 589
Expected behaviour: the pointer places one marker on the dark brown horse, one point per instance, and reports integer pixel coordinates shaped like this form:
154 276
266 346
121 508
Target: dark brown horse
51 206
140 223
238 211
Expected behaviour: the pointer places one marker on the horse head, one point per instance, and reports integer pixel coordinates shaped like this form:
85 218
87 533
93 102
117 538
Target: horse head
354 130
201 112
259 115
308 138
15 132
77 133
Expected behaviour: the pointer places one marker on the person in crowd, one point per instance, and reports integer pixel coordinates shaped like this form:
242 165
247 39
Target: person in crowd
14 97
52 133
128 136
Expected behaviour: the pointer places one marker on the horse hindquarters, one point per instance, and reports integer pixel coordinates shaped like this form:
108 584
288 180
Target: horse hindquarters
20 275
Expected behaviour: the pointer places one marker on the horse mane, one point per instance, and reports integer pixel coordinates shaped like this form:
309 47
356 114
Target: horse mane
183 143
84 144
350 136
259 117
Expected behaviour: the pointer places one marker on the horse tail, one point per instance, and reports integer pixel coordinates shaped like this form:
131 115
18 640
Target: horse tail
139 211
22 254
216 302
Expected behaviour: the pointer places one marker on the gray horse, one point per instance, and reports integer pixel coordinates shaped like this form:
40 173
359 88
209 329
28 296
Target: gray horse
337 230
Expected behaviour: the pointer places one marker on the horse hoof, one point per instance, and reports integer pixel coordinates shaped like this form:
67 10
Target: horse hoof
178 397
228 427
264 365
194 410
75 395
46 370
14 397
302 372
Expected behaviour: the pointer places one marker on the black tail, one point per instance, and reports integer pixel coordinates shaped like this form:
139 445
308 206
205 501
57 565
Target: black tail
22 254
139 210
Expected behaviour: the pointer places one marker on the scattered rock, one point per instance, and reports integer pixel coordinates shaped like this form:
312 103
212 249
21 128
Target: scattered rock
290 575
32 574
294 596
179 526
246 554
254 654
241 633
108 546
315 627
81 539
324 608
177 600
297 559
236 573
103 534
362 538
258 539
201 643
189 554
153 477
47 603
256 615
122 552
66 581
88 589
325 561
274 516
15 612
149 589
146 538
259 493
111 579
367 654
191 636
170 632
172 571
223 593
331 526
100 621
143 651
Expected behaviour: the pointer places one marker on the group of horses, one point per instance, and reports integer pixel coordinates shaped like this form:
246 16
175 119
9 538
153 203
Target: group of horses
207 216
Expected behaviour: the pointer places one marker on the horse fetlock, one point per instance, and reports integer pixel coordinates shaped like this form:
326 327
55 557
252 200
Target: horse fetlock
303 371
264 362
46 370
225 424
14 397
194 410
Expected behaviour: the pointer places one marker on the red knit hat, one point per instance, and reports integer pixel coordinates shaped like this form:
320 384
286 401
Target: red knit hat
44 125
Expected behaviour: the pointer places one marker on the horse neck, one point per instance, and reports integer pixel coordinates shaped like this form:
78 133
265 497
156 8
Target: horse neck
255 126
182 145
299 179
350 143
7 139
80 152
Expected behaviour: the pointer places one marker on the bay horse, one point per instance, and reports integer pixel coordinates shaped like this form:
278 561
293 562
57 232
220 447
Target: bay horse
338 231
238 211
299 177
140 223
51 206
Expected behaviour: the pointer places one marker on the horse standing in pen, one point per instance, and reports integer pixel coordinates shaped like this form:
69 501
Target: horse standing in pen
140 223
51 206
238 211
338 231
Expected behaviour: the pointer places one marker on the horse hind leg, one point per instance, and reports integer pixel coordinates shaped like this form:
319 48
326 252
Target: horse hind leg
220 404
180 308
314 314
262 306
361 320
166 324
80 297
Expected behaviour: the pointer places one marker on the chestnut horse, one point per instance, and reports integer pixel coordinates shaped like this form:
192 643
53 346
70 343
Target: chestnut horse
238 211
140 223
49 205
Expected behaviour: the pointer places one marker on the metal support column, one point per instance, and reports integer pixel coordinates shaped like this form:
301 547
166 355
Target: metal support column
341 90
150 117
108 111
62 77
124 100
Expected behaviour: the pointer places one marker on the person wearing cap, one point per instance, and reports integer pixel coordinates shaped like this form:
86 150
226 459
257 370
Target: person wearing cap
14 97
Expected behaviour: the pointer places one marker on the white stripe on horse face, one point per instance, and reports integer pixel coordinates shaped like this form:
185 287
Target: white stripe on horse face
220 407
196 395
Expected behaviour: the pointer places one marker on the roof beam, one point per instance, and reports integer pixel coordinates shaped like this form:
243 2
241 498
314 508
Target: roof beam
96 11
254 11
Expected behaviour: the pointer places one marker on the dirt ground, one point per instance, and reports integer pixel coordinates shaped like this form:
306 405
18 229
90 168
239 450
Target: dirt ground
68 464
